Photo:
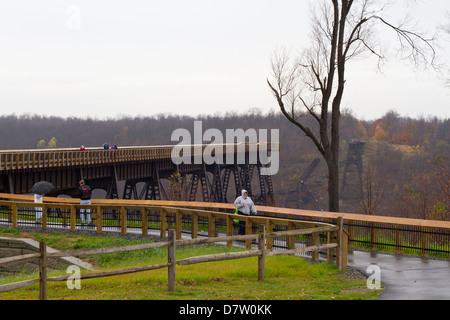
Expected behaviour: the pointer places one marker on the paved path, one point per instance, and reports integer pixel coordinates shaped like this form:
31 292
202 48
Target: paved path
404 277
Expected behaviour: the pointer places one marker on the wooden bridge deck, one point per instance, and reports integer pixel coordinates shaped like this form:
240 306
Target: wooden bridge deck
70 157
103 169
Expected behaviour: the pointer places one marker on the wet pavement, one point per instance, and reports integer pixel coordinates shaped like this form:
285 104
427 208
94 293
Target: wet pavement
404 277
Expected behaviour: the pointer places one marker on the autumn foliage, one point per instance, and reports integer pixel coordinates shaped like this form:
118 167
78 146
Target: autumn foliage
405 162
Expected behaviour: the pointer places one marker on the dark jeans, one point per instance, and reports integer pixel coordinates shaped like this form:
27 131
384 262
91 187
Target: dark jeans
241 224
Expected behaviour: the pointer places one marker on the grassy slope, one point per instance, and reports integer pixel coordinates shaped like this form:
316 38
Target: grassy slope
287 277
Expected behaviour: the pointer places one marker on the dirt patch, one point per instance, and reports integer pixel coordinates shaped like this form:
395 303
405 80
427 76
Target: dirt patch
357 290
25 235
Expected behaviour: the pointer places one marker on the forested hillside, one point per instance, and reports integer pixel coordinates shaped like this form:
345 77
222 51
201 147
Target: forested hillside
405 161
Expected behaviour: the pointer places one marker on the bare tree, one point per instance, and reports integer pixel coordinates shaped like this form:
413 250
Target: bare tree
179 187
446 29
372 190
342 30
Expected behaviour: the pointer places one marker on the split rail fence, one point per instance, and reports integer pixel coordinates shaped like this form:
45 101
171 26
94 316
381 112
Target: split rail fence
340 248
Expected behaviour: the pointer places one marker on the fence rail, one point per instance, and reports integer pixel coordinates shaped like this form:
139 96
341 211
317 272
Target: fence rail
172 244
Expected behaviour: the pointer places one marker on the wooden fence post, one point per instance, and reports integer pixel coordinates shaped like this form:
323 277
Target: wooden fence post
44 217
230 228
423 245
163 219
373 236
73 217
99 217
262 256
171 259
269 241
248 230
178 224
144 222
397 240
211 226
194 225
351 234
329 251
42 271
64 215
290 239
315 242
340 239
14 215
344 257
123 222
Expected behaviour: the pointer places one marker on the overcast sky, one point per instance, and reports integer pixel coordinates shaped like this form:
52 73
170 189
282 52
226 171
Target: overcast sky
139 58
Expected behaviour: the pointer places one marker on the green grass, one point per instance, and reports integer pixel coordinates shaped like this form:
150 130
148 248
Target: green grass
286 277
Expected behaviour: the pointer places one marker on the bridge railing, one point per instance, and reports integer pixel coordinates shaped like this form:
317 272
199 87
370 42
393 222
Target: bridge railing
49 158
127 217
377 233
63 157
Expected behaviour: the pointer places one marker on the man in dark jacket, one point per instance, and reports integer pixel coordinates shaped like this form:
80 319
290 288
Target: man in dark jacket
85 196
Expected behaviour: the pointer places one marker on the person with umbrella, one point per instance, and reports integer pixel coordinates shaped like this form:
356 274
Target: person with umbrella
39 189
38 198
85 196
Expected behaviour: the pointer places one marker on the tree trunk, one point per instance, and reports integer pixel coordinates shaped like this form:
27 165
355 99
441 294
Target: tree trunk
333 183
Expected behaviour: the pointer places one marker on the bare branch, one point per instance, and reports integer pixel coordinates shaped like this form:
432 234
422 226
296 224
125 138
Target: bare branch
421 49
341 30
292 119
372 191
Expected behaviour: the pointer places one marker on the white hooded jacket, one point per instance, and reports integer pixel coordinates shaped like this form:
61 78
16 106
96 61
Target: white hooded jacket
245 204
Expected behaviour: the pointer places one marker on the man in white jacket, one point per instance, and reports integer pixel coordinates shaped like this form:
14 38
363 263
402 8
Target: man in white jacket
245 206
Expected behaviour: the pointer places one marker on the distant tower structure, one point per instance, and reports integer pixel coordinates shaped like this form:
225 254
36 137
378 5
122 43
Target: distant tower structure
302 196
354 158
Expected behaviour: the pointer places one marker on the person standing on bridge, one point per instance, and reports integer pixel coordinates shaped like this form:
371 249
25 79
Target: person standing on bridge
245 206
38 198
85 196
